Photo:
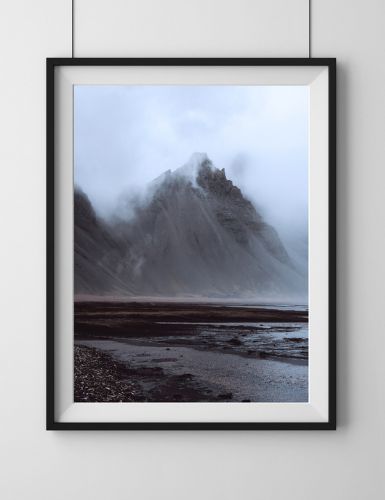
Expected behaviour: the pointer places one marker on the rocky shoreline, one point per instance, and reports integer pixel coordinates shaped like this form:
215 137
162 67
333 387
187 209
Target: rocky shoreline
190 352
98 378
184 374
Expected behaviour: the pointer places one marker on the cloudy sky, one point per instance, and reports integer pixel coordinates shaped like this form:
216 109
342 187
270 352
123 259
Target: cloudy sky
125 136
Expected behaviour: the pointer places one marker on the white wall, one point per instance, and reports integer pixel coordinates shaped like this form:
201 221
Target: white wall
175 28
340 465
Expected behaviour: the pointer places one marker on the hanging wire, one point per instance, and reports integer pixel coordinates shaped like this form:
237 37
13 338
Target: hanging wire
73 22
72 28
309 28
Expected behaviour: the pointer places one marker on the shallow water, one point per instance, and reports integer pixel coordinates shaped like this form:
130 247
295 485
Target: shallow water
245 379
213 352
288 340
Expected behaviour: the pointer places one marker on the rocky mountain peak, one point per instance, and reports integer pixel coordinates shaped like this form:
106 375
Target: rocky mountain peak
198 172
194 235
190 169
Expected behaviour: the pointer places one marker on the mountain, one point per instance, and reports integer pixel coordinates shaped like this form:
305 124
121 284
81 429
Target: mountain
97 251
195 235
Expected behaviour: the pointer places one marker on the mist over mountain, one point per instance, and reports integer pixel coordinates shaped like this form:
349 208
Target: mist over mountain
193 234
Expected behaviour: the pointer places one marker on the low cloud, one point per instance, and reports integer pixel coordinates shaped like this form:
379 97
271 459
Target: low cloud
126 136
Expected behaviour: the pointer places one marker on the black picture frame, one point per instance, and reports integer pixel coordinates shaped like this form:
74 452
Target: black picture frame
51 65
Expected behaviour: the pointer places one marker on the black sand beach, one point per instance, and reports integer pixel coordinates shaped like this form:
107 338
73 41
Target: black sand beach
179 351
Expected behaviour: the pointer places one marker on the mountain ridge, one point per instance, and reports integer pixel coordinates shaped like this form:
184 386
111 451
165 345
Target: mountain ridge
195 235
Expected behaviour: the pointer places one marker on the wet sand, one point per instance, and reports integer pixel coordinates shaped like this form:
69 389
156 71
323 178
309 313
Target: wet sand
113 317
199 352
214 376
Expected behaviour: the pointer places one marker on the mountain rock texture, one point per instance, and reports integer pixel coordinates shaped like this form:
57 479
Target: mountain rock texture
196 235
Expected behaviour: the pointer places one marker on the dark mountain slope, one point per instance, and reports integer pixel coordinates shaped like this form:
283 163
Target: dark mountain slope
195 236
97 252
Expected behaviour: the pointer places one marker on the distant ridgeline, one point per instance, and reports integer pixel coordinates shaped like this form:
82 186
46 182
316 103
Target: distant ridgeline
195 235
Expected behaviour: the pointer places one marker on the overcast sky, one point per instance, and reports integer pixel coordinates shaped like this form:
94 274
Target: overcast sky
125 136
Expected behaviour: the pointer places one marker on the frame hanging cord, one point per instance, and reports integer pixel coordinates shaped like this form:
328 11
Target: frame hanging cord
72 27
73 22
309 29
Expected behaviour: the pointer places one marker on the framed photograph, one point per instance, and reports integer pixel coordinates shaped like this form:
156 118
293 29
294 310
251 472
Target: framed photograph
191 262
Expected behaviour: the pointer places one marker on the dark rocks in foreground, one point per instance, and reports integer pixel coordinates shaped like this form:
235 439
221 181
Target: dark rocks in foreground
98 378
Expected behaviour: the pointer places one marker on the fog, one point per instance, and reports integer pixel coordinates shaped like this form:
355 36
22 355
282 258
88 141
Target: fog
125 136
